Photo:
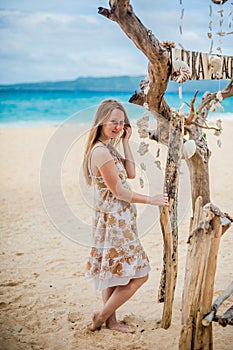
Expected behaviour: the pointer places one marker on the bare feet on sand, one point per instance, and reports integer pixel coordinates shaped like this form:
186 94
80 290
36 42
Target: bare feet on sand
117 326
96 322
113 324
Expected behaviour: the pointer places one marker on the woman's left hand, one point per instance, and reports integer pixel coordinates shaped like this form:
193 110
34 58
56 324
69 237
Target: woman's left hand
127 132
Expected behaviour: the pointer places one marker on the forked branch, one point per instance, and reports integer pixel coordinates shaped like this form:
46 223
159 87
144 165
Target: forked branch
211 316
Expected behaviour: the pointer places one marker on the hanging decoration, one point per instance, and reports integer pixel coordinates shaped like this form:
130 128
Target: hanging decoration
181 19
143 169
220 33
215 66
143 127
203 66
200 67
143 131
216 103
209 34
189 149
180 71
157 161
218 132
220 23
145 87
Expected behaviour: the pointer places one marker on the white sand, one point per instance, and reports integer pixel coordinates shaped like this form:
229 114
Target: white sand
46 302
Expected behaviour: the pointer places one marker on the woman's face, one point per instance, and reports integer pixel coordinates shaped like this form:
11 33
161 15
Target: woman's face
113 125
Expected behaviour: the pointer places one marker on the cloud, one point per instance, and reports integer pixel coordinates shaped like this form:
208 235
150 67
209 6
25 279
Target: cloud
55 46
58 40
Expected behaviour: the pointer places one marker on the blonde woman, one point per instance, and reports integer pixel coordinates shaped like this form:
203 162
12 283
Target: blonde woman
117 262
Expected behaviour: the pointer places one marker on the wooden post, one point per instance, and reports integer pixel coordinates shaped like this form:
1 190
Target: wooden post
168 219
199 278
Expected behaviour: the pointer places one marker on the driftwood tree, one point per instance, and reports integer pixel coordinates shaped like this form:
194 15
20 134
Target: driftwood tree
207 223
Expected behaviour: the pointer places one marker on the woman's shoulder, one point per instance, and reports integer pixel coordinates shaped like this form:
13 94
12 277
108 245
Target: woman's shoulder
102 151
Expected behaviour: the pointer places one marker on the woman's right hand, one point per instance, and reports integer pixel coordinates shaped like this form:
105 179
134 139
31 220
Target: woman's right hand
159 199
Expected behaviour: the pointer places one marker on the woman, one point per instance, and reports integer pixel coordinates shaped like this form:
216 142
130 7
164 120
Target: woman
117 263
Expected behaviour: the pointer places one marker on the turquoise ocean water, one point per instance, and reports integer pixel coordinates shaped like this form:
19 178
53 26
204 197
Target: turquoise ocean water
26 108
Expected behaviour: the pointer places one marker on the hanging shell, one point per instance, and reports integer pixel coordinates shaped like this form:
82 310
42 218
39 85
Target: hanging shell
189 149
215 66
181 71
141 182
145 85
143 125
143 148
143 166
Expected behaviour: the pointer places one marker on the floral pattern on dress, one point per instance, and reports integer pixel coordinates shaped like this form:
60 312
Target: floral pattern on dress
116 251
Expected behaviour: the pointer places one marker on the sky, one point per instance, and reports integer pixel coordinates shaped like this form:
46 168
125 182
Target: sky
54 40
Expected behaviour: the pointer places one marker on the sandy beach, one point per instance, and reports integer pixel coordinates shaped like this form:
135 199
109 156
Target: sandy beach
46 301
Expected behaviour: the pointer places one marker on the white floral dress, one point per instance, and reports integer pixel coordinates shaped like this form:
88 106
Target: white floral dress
117 255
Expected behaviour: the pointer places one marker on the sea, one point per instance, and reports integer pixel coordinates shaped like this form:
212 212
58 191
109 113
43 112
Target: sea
33 108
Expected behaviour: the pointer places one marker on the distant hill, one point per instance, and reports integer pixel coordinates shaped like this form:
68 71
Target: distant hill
118 84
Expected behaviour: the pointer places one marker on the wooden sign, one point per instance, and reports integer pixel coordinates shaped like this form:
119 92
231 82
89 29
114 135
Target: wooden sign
205 66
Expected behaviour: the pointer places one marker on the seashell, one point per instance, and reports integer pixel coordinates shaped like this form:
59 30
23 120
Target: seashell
145 104
143 166
189 149
143 148
143 121
158 164
143 125
181 71
214 104
143 133
219 96
219 143
145 86
141 181
215 65
218 104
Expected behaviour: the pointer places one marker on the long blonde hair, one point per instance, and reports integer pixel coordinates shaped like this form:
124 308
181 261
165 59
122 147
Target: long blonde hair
103 112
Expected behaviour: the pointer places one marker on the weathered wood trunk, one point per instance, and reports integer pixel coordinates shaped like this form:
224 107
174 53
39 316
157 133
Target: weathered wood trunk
199 177
204 239
168 219
199 278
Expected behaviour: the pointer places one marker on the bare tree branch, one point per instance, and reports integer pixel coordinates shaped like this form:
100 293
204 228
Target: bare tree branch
220 299
159 67
226 93
142 37
192 113
206 126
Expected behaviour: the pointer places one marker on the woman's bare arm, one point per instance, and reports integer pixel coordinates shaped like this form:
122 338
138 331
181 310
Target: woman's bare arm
129 160
104 163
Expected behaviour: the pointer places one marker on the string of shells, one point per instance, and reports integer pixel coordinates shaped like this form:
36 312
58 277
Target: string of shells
143 131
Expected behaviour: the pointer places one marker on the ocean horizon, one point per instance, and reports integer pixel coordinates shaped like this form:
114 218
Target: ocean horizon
35 108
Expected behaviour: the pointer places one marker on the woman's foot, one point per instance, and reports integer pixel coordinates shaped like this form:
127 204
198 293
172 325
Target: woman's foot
117 326
96 322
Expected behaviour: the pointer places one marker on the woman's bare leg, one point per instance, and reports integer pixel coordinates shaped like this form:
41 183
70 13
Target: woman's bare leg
105 296
112 322
118 297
